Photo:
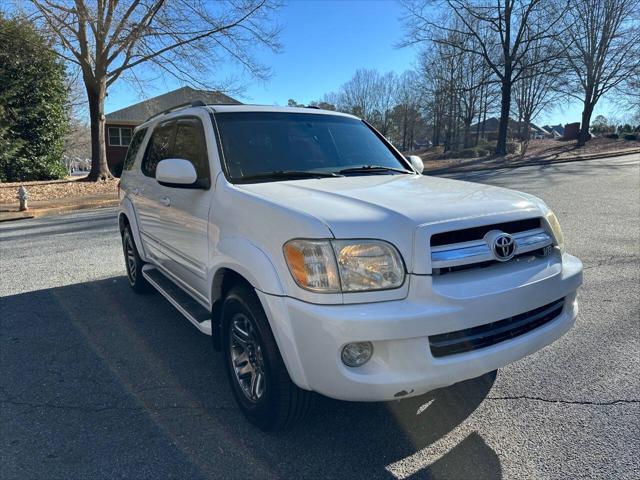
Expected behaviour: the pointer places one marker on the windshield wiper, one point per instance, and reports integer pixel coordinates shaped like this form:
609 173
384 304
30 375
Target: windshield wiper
373 169
289 174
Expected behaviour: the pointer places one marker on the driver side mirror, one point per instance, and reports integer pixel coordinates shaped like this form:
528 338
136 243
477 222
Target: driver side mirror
176 172
416 163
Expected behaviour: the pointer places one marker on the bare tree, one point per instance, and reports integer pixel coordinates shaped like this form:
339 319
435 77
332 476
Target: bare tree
629 93
498 31
106 39
385 91
359 95
455 84
602 50
438 76
369 95
536 91
406 116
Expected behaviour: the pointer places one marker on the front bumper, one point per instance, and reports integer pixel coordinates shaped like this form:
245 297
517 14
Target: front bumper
311 336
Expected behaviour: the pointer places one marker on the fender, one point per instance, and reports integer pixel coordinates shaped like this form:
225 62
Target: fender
127 210
237 253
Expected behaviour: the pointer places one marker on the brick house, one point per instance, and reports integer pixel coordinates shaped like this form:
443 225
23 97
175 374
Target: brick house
489 129
119 125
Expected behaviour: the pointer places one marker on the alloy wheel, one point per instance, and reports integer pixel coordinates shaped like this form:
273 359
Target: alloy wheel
131 259
246 357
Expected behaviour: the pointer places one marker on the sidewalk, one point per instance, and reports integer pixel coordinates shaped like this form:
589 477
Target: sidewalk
492 163
9 211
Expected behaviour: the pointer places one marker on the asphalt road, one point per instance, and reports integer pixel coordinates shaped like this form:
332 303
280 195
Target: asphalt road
97 382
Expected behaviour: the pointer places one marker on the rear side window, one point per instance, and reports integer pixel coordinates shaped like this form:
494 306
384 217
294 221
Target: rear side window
134 146
190 144
159 148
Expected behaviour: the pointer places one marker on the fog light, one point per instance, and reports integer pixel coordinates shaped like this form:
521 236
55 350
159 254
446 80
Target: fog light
357 354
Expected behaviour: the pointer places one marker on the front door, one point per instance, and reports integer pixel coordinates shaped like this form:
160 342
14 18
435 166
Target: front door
177 218
186 210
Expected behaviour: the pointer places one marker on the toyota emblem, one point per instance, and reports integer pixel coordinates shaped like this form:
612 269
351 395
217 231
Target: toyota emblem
502 245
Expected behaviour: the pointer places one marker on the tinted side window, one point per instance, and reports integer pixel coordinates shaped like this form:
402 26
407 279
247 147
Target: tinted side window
159 148
134 146
190 145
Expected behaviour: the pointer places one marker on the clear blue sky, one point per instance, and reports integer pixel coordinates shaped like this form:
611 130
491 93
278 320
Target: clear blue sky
324 42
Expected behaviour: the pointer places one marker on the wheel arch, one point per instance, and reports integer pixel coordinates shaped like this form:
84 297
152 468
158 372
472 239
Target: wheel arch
127 216
239 261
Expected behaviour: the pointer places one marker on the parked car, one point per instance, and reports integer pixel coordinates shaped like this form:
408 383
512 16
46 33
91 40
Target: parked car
320 259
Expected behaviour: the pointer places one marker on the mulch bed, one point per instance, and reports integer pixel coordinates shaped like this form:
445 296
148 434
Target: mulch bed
55 189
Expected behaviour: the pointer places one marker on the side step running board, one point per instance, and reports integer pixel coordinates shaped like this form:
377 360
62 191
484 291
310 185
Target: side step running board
184 303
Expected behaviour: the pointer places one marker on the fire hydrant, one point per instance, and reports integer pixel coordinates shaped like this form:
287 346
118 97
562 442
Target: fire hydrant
23 195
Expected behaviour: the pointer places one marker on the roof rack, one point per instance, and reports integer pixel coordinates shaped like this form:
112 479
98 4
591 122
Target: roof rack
313 106
195 103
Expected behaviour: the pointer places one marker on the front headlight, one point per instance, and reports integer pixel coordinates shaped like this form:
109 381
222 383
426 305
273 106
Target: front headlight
554 224
330 266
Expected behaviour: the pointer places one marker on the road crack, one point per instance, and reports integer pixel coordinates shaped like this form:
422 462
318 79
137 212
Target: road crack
565 402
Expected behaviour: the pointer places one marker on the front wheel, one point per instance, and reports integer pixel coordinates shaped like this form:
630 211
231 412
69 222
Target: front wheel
259 379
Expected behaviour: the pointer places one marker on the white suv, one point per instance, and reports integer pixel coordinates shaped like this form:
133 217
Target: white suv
321 260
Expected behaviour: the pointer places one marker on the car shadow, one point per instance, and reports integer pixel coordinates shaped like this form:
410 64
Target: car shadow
99 381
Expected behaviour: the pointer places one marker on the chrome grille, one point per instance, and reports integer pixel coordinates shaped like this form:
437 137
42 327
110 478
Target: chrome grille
478 251
476 233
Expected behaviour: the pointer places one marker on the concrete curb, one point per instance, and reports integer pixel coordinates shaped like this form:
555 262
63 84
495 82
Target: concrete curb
534 163
46 211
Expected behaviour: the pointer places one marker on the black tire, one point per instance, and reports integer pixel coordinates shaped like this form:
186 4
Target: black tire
134 263
278 404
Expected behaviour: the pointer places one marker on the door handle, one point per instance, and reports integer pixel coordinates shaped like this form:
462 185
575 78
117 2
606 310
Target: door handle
166 201
135 191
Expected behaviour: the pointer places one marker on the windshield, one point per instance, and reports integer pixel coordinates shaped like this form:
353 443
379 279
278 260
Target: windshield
261 145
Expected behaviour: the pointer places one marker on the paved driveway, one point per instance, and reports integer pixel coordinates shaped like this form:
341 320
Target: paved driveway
97 382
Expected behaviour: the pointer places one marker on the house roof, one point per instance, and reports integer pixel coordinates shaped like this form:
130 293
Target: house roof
139 112
492 124
559 129
488 125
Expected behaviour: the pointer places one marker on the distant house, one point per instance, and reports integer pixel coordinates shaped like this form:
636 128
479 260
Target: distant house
421 144
557 131
546 133
489 129
571 131
120 124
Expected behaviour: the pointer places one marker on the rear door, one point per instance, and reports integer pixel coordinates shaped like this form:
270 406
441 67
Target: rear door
149 193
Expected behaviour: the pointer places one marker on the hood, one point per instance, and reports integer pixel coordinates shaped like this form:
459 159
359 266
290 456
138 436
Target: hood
401 209
346 201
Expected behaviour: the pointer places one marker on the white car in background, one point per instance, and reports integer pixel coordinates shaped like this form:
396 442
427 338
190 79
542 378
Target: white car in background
321 260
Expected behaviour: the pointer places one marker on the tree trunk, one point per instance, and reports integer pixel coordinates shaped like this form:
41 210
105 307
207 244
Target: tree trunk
404 130
501 146
479 116
467 133
583 136
96 92
526 136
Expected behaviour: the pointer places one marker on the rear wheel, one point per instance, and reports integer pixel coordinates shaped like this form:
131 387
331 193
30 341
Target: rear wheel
134 263
259 379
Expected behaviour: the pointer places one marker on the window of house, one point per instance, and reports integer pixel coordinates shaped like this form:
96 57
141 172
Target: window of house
119 136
